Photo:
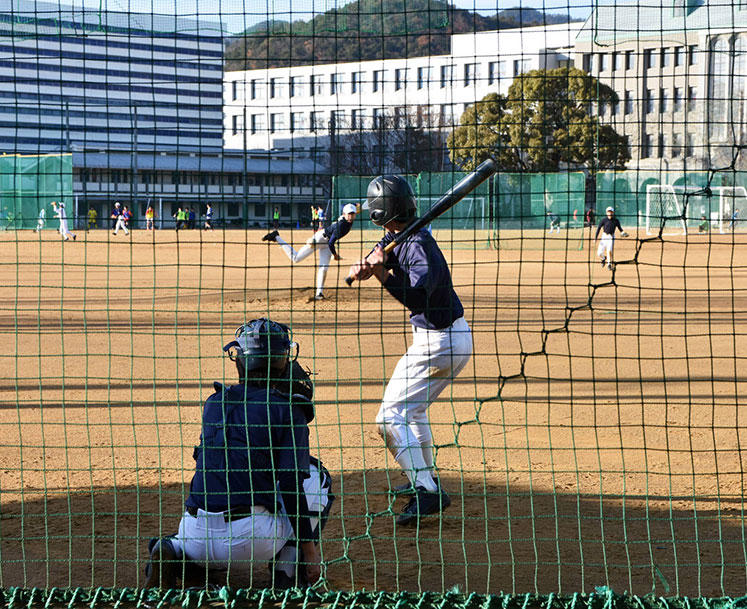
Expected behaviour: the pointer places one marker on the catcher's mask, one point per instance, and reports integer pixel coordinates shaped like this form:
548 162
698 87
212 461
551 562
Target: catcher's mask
261 344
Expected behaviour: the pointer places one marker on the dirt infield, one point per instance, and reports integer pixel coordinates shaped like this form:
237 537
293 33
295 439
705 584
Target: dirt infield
594 438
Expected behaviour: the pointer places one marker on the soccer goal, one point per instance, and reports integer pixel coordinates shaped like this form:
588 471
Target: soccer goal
732 208
664 205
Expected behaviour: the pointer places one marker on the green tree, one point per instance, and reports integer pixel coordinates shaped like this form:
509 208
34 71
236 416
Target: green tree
483 132
545 123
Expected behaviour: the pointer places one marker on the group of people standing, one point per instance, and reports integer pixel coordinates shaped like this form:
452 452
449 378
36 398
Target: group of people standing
187 218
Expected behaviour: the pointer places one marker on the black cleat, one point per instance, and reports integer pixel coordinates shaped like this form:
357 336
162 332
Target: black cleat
422 504
604 261
161 570
272 236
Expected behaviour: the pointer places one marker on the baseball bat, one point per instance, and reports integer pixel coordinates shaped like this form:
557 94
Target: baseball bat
455 194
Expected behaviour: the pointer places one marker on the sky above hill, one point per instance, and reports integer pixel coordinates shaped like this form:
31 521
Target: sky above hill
237 15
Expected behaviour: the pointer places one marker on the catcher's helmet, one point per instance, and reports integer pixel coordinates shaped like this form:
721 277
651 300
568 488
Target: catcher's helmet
258 340
390 198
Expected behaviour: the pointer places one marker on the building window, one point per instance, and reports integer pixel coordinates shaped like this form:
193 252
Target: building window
615 107
663 101
400 117
317 85
316 122
276 88
296 123
357 119
676 145
333 83
602 62
258 123
678 56
628 102
615 61
446 115
648 58
277 122
521 66
586 62
235 90
690 145
235 124
471 73
447 73
677 100
296 86
424 77
378 80
496 70
692 98
665 57
649 101
692 54
378 118
337 118
400 79
629 60
662 146
258 89
355 82
646 145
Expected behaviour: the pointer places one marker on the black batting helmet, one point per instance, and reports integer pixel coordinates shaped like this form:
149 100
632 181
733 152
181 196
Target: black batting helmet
390 198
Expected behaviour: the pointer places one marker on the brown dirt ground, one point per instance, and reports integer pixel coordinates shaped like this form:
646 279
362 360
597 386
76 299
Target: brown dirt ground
581 446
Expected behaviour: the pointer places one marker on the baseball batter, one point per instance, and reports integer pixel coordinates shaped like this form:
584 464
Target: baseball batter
606 249
417 275
59 210
324 240
252 497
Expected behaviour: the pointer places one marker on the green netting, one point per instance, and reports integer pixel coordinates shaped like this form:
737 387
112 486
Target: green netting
28 184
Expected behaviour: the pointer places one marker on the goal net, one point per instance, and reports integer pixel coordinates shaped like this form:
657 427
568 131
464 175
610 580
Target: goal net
664 209
732 209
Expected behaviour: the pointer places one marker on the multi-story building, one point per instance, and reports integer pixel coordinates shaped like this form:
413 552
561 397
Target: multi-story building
299 107
680 71
98 80
138 100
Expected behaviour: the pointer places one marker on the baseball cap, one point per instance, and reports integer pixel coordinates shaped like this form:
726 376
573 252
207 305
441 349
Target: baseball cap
612 209
116 203
350 209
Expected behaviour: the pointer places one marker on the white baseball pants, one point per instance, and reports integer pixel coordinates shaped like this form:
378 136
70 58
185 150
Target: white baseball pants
121 224
318 241
433 360
207 538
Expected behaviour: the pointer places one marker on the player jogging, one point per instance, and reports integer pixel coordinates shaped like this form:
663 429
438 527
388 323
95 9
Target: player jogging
416 274
122 217
252 491
209 217
59 210
554 222
41 220
325 240
606 249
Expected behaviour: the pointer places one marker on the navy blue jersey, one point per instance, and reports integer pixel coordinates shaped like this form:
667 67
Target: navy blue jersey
209 213
116 212
254 441
337 231
421 281
609 225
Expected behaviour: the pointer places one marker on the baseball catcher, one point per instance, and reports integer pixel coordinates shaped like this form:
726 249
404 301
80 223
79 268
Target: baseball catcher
257 496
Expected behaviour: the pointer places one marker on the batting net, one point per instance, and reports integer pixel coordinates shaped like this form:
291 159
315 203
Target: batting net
590 446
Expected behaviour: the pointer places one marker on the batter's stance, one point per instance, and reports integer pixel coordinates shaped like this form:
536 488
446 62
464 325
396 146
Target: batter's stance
416 274
325 240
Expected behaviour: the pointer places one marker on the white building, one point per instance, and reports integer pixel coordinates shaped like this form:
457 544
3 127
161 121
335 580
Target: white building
295 108
82 80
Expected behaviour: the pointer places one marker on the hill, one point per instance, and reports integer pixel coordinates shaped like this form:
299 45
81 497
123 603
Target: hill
369 29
